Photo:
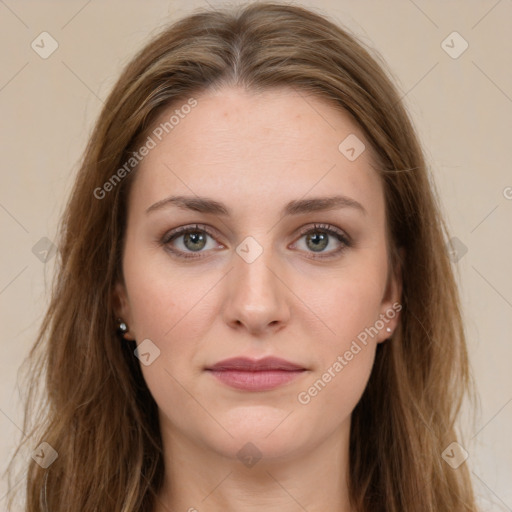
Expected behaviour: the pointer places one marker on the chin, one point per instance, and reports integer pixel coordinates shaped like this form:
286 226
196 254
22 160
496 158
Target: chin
251 450
265 438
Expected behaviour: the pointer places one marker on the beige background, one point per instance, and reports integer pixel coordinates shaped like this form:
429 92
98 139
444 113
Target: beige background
462 108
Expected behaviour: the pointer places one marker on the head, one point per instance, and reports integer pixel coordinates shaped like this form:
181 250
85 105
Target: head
257 284
268 103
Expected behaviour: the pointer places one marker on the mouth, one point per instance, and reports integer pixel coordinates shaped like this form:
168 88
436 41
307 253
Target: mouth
256 375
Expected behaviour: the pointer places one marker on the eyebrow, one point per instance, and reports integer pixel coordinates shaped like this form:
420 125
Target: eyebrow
295 207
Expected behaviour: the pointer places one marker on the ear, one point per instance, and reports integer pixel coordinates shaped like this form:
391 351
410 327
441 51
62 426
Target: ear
392 300
122 308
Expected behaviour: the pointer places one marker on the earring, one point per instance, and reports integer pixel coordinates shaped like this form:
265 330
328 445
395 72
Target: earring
388 329
122 328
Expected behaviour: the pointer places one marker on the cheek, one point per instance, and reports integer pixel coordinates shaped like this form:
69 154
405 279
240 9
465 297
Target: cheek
161 297
171 317
174 312
351 305
336 386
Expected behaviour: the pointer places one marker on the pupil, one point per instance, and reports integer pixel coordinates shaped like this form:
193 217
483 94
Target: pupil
319 238
196 238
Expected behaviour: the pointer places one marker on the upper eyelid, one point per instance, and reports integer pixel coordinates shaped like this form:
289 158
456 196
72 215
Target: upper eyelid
320 226
180 231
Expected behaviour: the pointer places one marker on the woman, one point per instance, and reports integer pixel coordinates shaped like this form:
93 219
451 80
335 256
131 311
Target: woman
254 219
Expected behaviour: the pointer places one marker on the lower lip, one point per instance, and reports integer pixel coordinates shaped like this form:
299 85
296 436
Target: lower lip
256 381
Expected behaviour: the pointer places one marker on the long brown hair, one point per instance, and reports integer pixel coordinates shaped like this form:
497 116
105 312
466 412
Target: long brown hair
96 410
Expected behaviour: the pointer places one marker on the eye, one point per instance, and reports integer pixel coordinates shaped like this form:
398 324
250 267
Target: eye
194 239
319 237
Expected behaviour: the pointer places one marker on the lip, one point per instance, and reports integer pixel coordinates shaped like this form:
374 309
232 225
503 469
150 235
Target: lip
256 375
254 365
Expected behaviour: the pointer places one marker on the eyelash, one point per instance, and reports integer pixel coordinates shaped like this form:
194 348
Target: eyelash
201 228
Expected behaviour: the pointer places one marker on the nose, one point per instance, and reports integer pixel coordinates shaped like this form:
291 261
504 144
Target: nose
256 295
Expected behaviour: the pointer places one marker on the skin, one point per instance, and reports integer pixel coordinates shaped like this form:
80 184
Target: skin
255 152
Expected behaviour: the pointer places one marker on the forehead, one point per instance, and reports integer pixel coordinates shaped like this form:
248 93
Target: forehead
250 149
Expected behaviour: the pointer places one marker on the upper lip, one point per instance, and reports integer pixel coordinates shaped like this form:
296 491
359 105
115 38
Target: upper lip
247 364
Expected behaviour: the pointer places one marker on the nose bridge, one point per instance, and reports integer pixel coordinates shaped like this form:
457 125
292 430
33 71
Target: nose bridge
253 276
256 295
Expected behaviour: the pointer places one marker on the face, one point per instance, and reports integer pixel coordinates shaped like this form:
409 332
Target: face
267 277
